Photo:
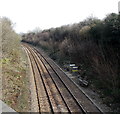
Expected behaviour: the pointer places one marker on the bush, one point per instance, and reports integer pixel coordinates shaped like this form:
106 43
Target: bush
10 40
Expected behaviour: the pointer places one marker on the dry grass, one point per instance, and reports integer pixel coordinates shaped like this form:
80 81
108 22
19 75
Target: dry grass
15 84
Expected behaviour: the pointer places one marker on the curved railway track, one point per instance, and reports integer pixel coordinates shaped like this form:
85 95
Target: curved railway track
55 91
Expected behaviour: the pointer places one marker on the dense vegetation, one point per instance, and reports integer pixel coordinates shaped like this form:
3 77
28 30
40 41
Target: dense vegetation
94 45
14 79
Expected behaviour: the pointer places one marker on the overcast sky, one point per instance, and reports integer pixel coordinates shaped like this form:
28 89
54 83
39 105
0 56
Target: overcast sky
29 14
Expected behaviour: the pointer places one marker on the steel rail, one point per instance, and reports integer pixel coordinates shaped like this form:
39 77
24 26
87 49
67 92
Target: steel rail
30 57
60 92
53 79
52 111
49 63
84 111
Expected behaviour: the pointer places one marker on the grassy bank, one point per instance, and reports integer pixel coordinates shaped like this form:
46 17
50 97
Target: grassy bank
15 81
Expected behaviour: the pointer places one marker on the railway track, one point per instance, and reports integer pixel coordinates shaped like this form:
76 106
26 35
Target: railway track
55 91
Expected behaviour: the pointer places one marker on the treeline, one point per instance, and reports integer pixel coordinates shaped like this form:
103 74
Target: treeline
93 44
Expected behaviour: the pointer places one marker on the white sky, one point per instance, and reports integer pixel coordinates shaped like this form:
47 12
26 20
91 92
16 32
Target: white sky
29 14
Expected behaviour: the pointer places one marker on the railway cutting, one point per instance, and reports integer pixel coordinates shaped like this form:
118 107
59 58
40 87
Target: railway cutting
55 91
